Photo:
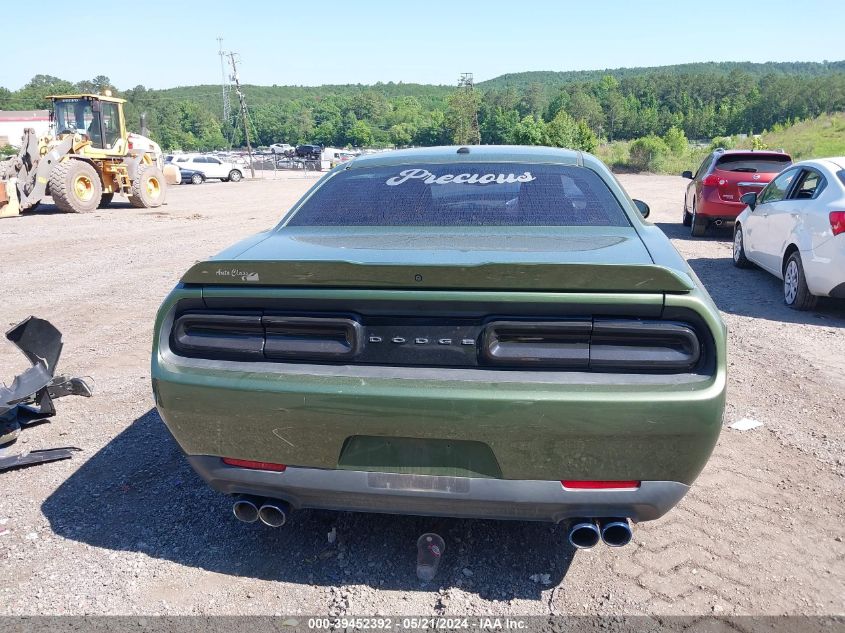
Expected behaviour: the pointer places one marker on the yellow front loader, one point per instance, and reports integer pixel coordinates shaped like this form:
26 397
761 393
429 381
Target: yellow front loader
87 159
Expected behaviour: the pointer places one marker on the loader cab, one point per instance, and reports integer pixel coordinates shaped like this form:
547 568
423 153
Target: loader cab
96 118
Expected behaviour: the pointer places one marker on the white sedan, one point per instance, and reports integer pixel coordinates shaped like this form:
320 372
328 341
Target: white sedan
211 166
795 229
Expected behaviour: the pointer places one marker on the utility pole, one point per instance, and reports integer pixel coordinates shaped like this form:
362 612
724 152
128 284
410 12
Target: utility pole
244 113
226 108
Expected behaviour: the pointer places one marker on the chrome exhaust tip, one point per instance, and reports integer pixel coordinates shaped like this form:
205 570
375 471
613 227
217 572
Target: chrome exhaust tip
274 514
616 532
584 534
246 510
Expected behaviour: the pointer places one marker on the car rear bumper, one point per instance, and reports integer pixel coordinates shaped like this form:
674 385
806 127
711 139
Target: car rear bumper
712 207
467 497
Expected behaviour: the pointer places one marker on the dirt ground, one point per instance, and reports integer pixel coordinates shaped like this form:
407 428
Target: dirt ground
125 527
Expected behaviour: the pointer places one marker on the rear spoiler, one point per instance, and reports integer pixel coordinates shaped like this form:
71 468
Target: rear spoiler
510 277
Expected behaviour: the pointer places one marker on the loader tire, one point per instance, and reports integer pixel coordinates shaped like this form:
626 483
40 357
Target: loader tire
148 189
75 186
106 199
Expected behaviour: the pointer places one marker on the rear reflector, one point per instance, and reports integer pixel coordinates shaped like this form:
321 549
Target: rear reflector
246 463
599 485
837 222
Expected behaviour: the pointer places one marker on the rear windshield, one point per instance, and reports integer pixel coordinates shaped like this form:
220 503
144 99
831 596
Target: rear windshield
463 194
753 164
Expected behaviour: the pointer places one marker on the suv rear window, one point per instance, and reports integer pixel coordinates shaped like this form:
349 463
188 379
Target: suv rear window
463 194
753 164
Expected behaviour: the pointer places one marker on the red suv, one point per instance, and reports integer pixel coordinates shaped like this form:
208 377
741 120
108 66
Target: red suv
714 194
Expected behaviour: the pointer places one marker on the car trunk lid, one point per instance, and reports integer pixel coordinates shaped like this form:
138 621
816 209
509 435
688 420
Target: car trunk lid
591 259
739 174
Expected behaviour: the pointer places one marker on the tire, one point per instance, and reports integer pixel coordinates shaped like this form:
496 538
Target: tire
196 179
698 226
796 294
687 221
148 189
75 186
234 176
106 199
739 258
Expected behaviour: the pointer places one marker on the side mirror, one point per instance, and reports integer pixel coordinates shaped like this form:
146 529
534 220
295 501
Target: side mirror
687 174
642 207
749 199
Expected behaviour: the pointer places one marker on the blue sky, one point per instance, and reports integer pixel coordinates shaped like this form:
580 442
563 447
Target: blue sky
168 43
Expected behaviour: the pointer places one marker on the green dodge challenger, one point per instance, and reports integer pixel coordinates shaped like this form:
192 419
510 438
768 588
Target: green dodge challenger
474 331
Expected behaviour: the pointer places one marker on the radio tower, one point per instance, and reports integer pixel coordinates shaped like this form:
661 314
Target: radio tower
225 83
469 125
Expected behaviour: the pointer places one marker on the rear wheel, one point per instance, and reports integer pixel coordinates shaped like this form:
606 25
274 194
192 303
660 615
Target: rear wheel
106 199
75 186
148 189
740 260
796 294
196 179
235 175
698 226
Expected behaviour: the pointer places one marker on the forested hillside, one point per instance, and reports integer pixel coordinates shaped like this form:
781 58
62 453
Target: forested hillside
575 109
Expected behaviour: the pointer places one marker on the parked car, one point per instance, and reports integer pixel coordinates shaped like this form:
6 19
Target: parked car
473 332
211 166
282 148
312 152
713 196
795 229
191 176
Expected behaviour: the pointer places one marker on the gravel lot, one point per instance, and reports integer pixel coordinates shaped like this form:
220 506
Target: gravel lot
125 527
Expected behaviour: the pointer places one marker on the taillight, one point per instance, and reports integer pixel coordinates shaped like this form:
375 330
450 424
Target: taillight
252 336
247 463
710 181
304 338
590 484
837 222
600 344
564 344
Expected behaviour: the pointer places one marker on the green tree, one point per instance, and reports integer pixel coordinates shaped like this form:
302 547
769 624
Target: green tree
530 131
561 131
647 153
462 116
585 139
676 141
360 134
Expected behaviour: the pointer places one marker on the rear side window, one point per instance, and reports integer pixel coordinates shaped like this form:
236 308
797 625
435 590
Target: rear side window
463 194
778 188
753 164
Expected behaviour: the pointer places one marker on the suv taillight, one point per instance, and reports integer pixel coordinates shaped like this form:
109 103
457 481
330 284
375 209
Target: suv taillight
710 181
837 222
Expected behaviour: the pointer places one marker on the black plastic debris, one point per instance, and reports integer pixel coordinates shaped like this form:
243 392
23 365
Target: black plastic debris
29 400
